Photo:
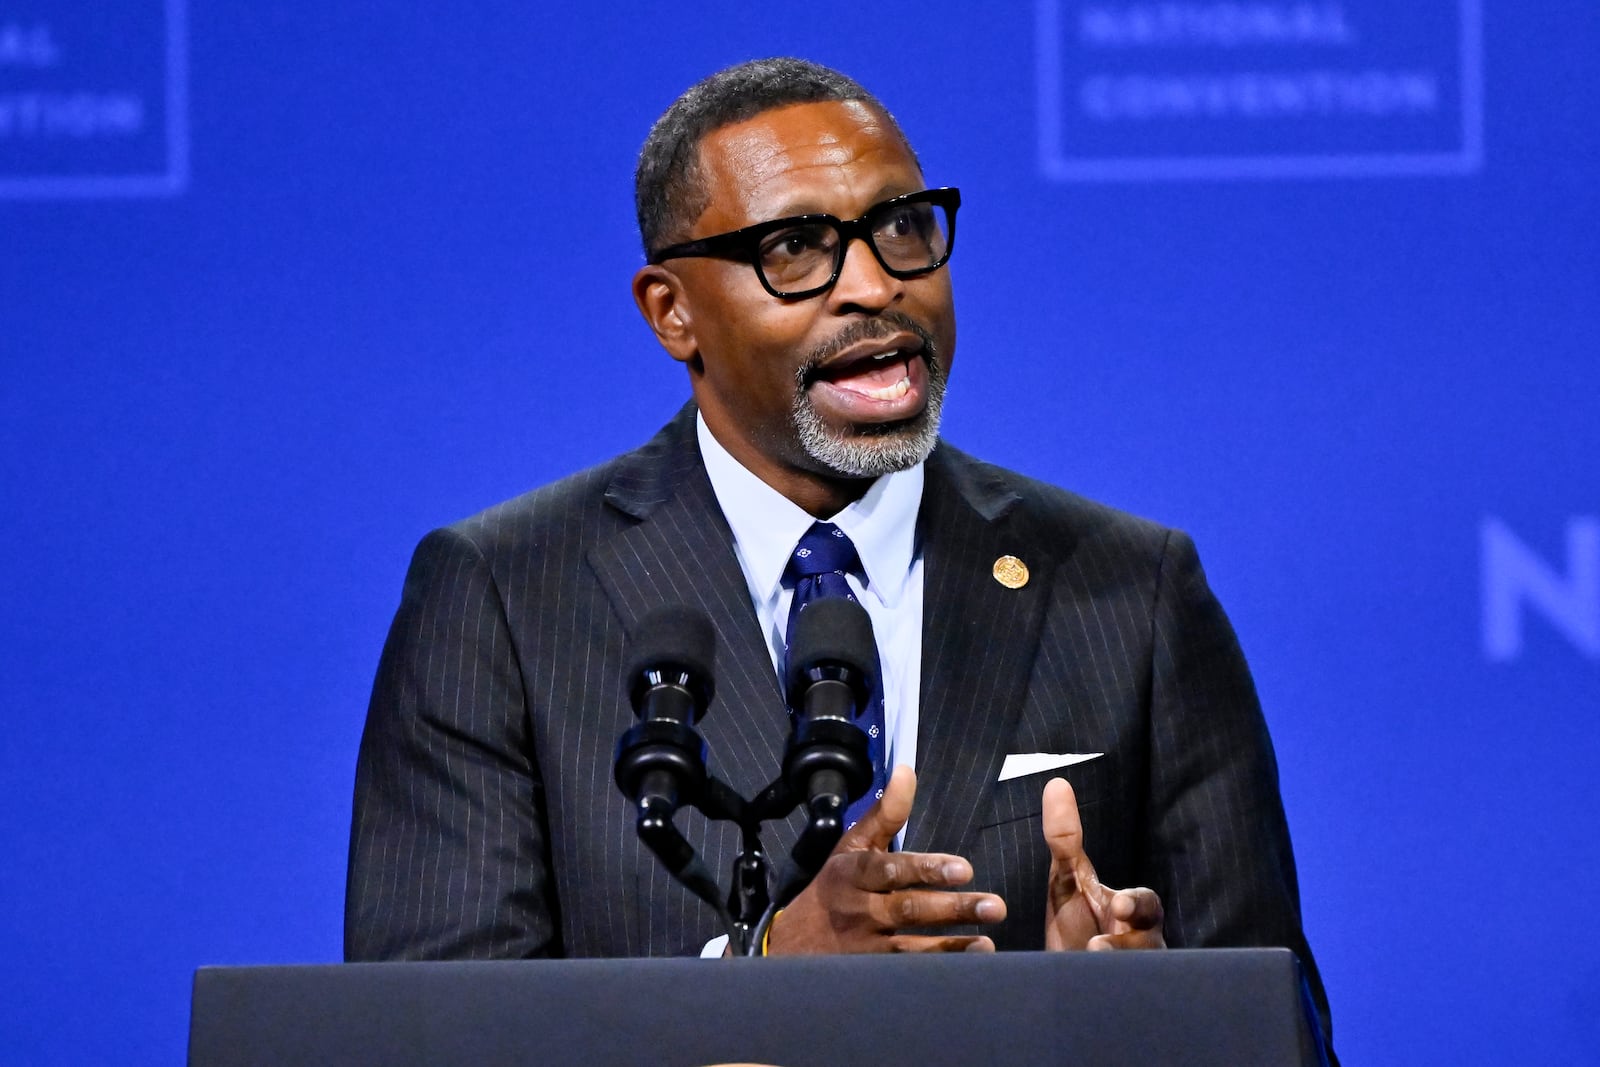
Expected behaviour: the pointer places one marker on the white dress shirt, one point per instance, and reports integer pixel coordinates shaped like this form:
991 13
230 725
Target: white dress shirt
883 526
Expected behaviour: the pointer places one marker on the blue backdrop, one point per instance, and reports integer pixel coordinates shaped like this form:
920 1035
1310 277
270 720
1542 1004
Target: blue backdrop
283 286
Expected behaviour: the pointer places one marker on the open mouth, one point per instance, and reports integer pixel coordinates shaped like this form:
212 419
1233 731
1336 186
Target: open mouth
883 376
880 382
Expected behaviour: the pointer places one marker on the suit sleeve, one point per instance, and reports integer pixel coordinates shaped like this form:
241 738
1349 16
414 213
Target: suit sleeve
1219 849
448 853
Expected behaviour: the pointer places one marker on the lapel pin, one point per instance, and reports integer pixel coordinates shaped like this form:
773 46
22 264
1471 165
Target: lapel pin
1011 572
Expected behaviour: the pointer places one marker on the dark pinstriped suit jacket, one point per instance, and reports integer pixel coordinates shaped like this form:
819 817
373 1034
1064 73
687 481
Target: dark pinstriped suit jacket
486 822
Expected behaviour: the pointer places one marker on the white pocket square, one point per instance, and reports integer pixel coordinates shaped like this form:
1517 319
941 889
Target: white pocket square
1019 764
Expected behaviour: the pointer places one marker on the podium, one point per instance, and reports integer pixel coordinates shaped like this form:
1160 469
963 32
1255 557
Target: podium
1192 1007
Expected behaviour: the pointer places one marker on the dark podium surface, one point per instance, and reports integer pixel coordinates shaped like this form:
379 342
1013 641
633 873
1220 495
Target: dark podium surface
1219 1006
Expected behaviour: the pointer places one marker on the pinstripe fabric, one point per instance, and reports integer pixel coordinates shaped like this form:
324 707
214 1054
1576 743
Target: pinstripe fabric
486 823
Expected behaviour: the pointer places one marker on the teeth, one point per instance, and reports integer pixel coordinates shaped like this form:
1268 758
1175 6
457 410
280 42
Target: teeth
890 392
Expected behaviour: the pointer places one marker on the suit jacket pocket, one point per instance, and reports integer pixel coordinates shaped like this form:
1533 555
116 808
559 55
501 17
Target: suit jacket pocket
1019 798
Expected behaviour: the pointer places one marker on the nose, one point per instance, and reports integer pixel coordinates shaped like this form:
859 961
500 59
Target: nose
863 283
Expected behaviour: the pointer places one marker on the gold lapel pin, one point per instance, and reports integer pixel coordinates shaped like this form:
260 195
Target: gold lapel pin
1011 572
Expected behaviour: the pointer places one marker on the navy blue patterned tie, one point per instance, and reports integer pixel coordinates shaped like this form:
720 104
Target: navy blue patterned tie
817 569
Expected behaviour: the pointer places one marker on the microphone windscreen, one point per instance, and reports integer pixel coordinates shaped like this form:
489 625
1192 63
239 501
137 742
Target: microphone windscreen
680 636
833 631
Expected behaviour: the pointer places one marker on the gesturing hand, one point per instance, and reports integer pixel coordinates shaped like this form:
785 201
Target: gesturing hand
1081 912
865 894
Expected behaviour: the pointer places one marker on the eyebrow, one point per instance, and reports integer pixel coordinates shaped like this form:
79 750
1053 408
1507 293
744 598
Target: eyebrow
803 207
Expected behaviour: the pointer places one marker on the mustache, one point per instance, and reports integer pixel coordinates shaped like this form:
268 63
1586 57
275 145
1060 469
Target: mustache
885 325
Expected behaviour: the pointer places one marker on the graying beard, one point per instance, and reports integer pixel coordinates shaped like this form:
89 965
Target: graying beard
873 451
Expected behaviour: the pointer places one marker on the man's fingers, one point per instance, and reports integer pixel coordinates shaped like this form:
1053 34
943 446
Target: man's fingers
1063 829
876 829
881 872
1133 939
1138 909
1080 910
923 943
933 907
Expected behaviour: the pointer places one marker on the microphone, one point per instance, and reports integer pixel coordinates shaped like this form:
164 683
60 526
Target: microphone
832 656
661 760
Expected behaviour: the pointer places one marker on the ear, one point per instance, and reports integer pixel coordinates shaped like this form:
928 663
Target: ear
665 306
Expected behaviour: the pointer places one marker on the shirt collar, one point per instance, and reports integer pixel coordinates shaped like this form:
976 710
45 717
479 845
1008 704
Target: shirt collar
767 525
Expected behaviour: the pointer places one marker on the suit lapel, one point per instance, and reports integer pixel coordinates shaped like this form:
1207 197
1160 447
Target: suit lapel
979 639
978 644
679 550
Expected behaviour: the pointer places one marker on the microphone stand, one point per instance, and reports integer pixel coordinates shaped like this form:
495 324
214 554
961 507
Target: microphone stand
750 905
749 898
661 764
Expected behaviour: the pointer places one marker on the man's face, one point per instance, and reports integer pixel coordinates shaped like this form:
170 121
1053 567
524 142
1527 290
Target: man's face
845 384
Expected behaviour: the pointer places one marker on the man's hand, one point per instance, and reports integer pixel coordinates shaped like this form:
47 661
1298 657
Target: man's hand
864 893
1080 912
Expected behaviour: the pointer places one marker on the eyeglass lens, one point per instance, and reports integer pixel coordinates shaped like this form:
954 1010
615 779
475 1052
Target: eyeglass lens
910 236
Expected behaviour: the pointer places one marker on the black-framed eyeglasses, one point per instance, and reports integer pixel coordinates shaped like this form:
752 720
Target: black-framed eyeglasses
802 255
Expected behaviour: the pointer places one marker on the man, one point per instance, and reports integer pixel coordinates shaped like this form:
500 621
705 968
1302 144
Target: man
1020 628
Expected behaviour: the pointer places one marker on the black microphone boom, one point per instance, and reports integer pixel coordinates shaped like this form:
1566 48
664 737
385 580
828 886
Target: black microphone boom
661 760
832 657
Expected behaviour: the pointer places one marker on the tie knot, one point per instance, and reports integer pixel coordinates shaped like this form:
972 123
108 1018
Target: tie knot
824 549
